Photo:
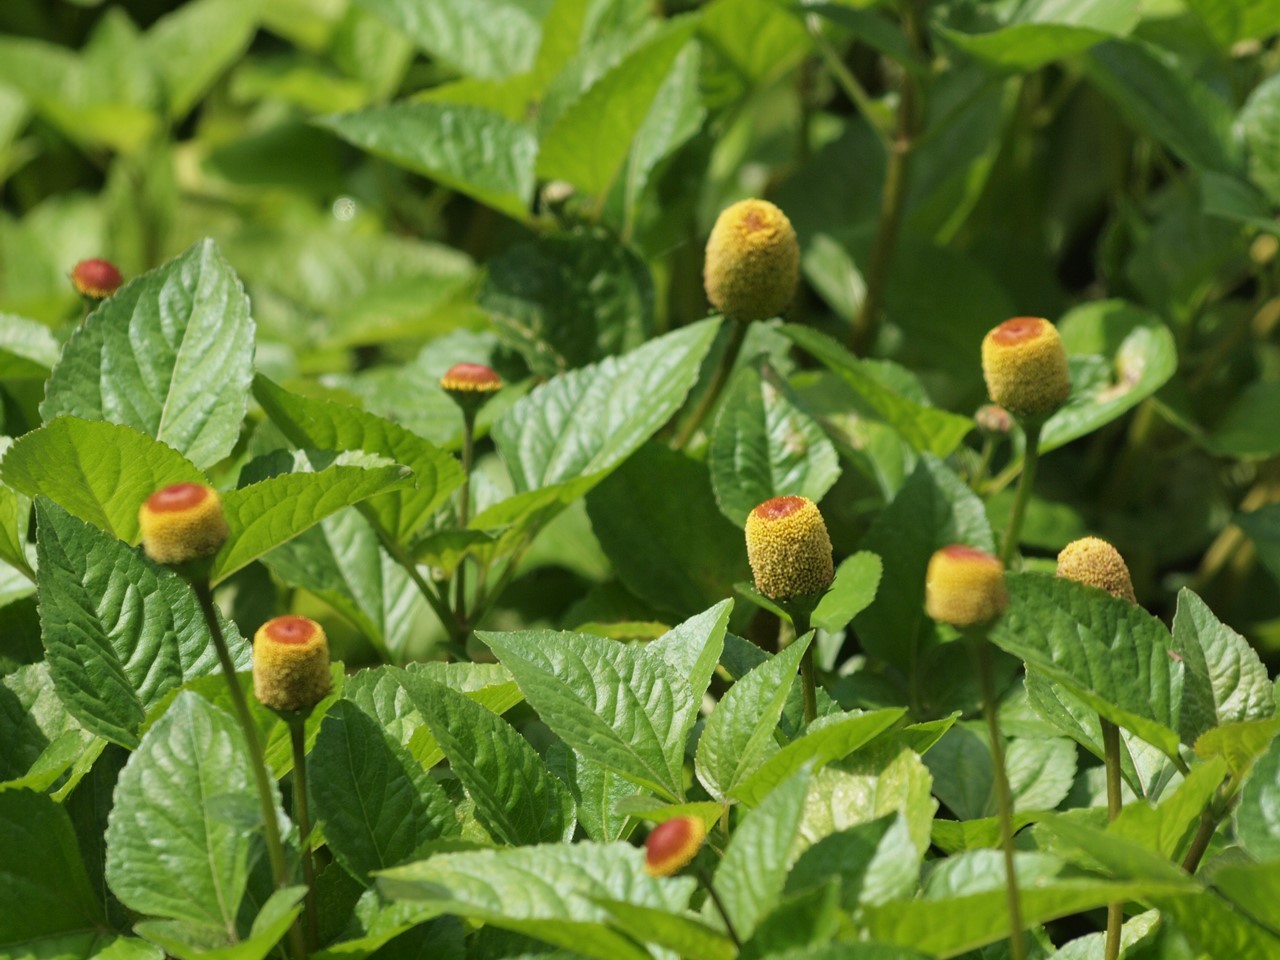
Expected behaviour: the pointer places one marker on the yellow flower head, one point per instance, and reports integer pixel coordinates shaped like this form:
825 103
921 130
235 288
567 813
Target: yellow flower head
1097 563
964 586
96 279
788 548
672 844
181 523
1025 367
753 262
290 664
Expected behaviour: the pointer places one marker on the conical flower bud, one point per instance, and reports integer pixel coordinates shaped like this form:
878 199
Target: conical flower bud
788 548
672 845
290 664
96 279
1025 367
1097 563
470 385
964 586
181 523
753 262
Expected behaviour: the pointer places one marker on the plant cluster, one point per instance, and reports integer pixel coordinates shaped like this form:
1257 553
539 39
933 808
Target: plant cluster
660 531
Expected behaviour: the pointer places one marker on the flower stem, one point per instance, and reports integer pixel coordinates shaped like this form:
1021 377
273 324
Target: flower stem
1004 800
297 736
270 827
464 516
737 333
808 681
1111 751
719 905
1029 460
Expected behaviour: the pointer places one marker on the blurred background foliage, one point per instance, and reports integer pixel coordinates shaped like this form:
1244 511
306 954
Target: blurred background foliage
402 184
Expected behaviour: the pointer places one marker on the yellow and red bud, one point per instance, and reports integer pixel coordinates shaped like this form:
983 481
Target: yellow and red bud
1097 563
290 664
753 261
96 279
1025 366
470 385
672 844
964 586
788 548
182 522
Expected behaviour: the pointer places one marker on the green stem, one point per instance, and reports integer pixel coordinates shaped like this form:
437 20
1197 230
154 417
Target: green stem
846 80
1004 800
270 827
719 905
737 333
1029 460
1111 752
464 514
297 736
866 323
808 681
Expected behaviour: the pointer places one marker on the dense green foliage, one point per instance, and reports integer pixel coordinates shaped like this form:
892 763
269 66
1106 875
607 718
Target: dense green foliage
320 206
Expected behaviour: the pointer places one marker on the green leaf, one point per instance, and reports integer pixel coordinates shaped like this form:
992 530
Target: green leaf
27 349
15 520
184 829
468 149
926 428
1143 359
1043 32
682 934
266 514
1114 655
1239 744
764 445
1040 772
934 508
342 561
1230 21
170 354
951 924
1257 123
656 519
398 700
1263 527
589 141
193 45
99 472
597 791
1165 102
42 871
851 592
693 648
875 862
1252 887
739 734
620 706
1258 814
325 425
185 942
120 631
1246 429
1166 829
828 739
751 877
517 799
545 892
1241 688
480 38
588 421
39 739
569 299
376 805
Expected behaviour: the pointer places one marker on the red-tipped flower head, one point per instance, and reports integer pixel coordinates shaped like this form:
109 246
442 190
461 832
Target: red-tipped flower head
182 522
96 279
290 664
1097 563
964 586
788 548
672 845
753 262
1025 366
470 384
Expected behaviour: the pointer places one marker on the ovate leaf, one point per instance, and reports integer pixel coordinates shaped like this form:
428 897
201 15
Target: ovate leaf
170 354
99 472
185 826
620 706
120 631
1258 815
1241 688
851 592
376 805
